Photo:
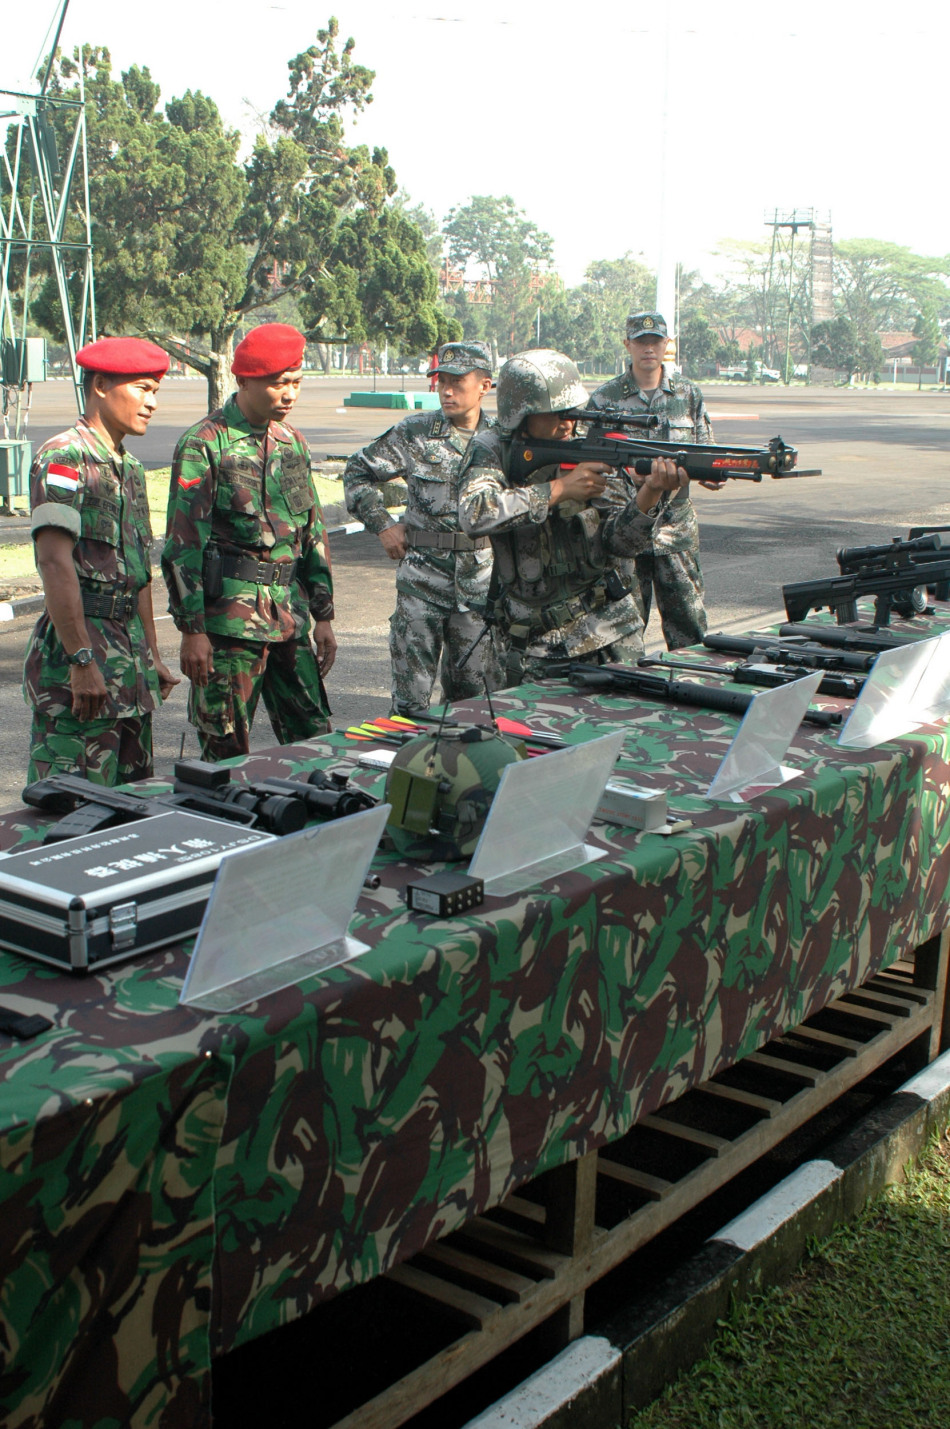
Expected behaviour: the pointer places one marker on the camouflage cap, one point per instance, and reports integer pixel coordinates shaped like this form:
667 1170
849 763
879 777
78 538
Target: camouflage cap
646 325
457 358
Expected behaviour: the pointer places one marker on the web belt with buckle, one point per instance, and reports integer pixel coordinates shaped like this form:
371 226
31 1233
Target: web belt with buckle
445 540
245 568
553 617
110 605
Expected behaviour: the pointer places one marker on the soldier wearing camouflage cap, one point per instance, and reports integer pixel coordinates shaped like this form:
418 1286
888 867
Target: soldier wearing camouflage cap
557 540
246 561
443 574
667 562
93 674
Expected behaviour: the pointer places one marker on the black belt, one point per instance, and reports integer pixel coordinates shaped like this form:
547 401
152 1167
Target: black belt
445 540
246 568
113 605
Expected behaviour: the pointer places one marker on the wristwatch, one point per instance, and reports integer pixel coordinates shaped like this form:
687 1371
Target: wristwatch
82 657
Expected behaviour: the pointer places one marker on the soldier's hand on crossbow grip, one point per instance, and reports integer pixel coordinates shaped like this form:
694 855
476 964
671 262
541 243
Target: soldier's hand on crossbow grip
394 541
580 483
196 658
89 691
665 475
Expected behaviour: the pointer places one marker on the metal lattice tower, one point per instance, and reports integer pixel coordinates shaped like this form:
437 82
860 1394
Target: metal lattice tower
44 215
787 289
822 272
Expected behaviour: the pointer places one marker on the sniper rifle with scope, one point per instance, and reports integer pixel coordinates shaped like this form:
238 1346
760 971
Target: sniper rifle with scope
896 574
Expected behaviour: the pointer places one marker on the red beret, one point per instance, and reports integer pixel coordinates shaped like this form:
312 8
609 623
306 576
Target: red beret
123 356
270 348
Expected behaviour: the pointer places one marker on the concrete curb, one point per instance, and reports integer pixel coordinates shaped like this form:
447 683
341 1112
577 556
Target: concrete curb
600 1380
23 605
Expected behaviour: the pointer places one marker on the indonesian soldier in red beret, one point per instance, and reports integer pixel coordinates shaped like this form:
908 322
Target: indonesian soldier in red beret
93 674
246 561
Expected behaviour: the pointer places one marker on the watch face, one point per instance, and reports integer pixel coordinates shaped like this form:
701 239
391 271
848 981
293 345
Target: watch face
81 657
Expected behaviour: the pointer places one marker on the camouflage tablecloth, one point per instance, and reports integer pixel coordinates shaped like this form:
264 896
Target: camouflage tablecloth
175 1183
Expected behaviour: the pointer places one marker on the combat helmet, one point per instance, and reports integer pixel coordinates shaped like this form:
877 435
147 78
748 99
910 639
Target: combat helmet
441 787
539 380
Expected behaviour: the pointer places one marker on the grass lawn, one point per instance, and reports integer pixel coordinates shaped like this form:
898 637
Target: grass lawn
858 1339
16 560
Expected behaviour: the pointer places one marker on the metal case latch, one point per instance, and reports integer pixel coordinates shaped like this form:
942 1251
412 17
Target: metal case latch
123 925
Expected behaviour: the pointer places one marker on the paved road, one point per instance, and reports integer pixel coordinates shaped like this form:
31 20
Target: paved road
885 461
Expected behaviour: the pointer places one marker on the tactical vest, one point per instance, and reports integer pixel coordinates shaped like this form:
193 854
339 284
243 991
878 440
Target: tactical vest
557 561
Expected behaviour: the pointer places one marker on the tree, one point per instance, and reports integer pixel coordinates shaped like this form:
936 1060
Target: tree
190 244
881 286
927 346
379 285
838 344
697 341
612 288
512 253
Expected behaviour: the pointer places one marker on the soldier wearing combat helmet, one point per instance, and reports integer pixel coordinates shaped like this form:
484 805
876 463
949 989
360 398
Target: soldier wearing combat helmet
443 574
245 547
93 674
557 539
667 560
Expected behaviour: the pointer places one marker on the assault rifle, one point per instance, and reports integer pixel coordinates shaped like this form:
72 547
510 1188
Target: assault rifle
788 653
895 574
278 806
768 676
625 680
701 462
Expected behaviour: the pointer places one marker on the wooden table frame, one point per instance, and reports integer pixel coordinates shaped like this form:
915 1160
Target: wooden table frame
532 1259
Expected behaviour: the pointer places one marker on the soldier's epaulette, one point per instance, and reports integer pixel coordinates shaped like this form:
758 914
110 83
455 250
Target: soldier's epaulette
207 429
288 433
63 441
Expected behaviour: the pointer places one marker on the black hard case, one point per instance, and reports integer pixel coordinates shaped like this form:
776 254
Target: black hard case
55 908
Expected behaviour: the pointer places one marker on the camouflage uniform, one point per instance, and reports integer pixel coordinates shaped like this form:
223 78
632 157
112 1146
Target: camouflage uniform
557 570
242 500
440 593
78 484
668 559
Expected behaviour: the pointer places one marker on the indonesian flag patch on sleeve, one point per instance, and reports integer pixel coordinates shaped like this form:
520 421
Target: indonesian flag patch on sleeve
65 477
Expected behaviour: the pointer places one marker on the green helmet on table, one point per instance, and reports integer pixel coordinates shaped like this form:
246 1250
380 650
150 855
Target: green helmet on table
441 787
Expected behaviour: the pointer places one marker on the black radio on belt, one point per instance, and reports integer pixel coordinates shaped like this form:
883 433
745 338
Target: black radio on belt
446 894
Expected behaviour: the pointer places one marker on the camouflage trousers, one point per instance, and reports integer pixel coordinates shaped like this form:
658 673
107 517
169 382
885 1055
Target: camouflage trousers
527 670
104 751
420 634
675 579
285 673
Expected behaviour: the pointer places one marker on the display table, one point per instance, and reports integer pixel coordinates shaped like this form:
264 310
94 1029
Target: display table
176 1183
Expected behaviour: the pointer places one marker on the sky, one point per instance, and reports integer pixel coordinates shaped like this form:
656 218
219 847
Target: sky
578 111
